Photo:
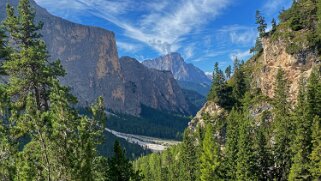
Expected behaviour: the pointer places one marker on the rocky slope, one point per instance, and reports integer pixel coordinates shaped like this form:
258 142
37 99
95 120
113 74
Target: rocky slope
262 70
188 76
155 88
90 57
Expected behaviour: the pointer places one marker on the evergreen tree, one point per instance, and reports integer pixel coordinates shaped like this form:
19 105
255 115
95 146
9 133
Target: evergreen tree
239 87
274 25
3 44
220 91
210 159
245 157
300 145
231 148
228 72
260 21
315 156
262 155
190 155
57 143
281 148
120 169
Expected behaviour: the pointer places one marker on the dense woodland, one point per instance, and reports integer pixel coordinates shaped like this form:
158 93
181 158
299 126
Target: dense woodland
279 141
42 136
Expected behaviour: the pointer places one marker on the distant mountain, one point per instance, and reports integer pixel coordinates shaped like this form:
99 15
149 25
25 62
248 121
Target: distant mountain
90 57
188 76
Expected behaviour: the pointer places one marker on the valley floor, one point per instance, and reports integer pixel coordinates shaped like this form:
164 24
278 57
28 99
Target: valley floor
154 144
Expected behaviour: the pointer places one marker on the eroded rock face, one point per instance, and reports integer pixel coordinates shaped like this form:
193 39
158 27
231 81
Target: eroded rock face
90 57
294 66
157 89
189 76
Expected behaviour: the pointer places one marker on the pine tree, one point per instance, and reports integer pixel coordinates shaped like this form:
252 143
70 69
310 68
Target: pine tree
262 155
281 148
228 72
190 155
210 159
274 25
315 156
245 157
220 92
300 145
120 169
231 147
3 44
239 87
260 21
58 144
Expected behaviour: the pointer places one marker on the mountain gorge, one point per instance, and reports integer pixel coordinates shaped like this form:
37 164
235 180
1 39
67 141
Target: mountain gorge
189 77
90 57
264 122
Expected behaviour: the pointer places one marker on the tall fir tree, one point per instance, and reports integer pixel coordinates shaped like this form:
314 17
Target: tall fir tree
228 72
260 21
190 154
56 143
239 87
245 156
301 140
231 145
119 167
210 158
315 156
281 147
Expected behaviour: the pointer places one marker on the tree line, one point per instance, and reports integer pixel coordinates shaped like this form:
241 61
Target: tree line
42 136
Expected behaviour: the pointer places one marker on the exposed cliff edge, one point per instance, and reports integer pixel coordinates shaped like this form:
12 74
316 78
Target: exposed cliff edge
90 57
188 76
262 70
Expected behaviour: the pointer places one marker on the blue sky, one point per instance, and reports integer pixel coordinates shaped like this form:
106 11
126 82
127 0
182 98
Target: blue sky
203 31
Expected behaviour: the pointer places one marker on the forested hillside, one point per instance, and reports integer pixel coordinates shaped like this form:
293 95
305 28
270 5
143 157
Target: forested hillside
42 136
263 123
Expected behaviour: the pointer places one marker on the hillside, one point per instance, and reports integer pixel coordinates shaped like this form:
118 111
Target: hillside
90 57
264 122
189 77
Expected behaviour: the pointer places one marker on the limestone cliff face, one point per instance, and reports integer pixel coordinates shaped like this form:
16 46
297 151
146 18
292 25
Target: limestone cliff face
263 70
275 57
157 89
188 76
90 57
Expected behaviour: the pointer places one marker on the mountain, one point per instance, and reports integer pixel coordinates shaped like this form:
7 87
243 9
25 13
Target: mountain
151 87
272 129
90 57
188 76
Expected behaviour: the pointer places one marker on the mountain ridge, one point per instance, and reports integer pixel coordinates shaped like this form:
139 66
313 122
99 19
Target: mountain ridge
90 57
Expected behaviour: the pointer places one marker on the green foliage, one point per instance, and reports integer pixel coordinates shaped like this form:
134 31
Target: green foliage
315 156
190 155
119 167
278 144
210 159
260 21
228 72
220 91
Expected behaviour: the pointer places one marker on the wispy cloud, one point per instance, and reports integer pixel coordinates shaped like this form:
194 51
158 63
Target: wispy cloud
271 7
128 47
241 55
160 29
238 34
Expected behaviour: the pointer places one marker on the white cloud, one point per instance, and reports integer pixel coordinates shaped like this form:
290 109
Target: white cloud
271 7
160 29
238 34
241 55
128 47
